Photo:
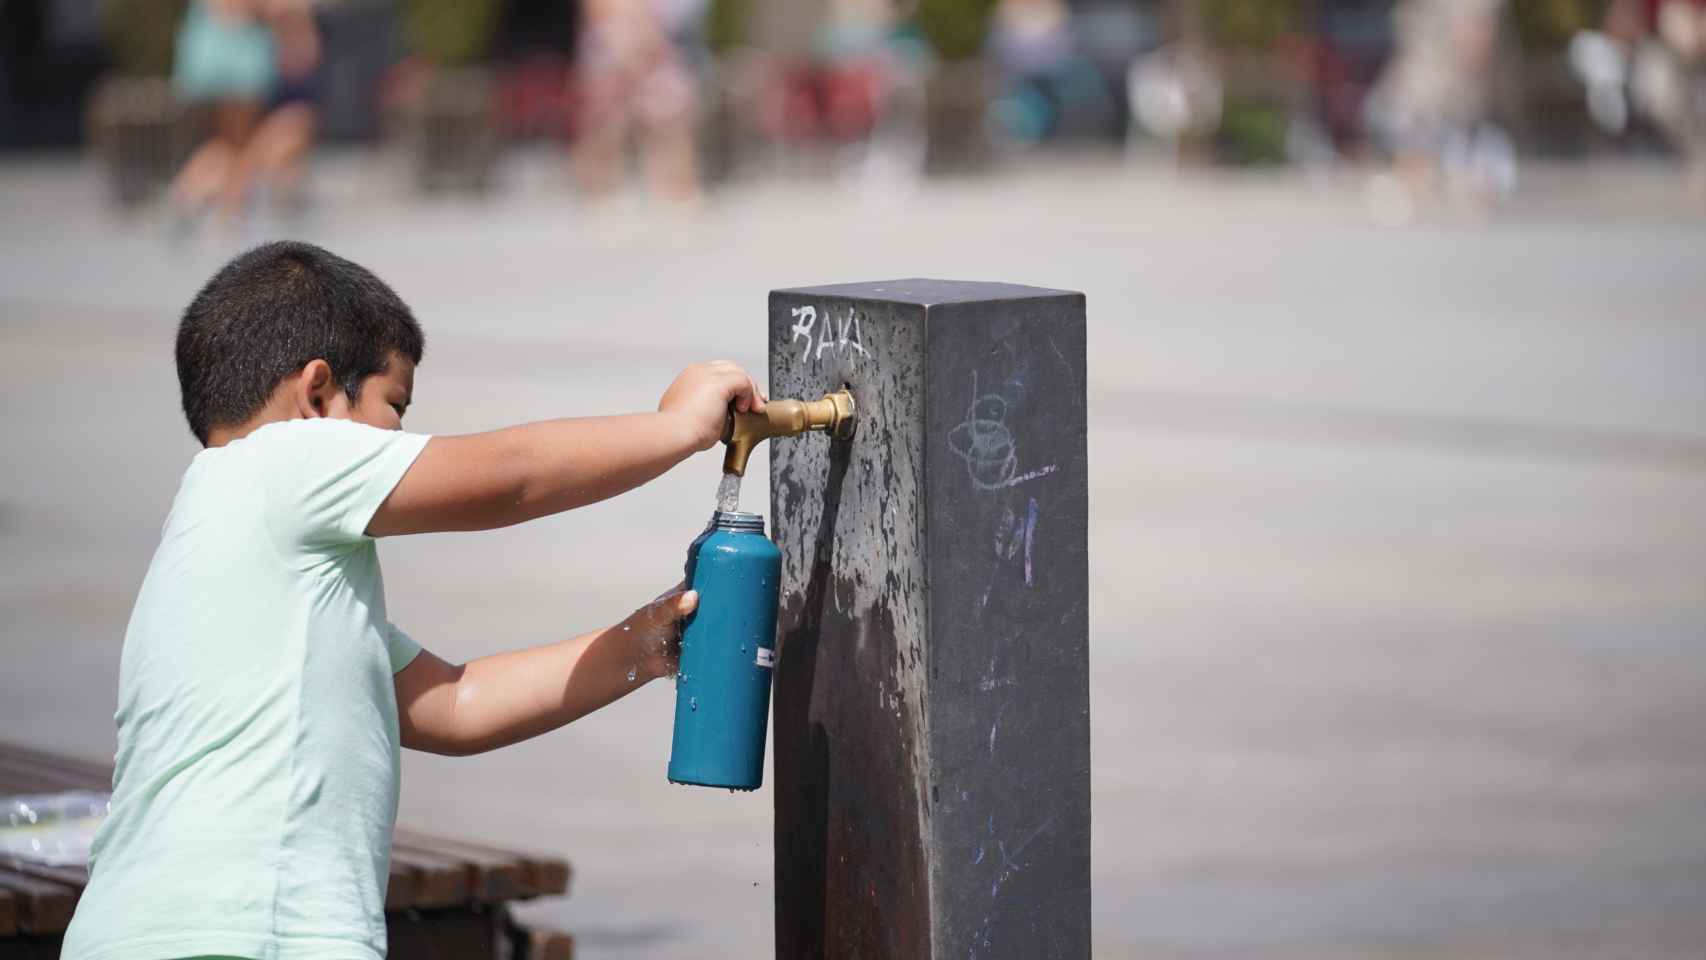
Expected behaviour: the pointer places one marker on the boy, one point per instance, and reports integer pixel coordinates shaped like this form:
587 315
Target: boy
263 692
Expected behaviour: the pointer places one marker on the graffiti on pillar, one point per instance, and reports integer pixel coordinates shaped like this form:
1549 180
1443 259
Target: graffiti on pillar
1015 538
843 338
1016 534
804 319
1012 861
983 441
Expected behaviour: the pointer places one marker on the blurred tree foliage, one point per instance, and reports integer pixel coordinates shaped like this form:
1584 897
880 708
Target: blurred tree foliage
1252 131
141 34
451 33
1549 24
1250 23
726 24
955 28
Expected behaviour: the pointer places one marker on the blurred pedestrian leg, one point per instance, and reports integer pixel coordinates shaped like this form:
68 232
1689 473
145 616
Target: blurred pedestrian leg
1667 81
1430 108
280 146
637 87
225 67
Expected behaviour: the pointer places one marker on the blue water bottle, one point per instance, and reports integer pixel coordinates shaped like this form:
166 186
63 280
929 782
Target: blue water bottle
728 650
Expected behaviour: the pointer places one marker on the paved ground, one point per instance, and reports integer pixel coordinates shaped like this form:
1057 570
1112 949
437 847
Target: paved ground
1399 613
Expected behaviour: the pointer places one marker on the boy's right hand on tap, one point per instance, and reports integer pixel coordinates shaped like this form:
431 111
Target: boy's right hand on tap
701 395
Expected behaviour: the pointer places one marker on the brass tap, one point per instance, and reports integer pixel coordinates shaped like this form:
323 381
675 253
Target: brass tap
785 418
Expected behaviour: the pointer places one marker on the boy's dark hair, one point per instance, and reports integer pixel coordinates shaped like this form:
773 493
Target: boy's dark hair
269 312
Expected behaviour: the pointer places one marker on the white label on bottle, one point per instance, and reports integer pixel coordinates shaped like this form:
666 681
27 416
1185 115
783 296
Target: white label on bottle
766 658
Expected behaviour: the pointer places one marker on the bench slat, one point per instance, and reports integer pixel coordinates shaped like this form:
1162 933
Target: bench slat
401 889
547 876
83 773
8 914
427 870
492 878
75 877
59 760
15 779
545 944
43 906
439 882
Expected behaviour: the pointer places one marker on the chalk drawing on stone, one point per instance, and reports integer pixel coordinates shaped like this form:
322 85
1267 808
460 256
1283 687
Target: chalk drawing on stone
1010 864
983 441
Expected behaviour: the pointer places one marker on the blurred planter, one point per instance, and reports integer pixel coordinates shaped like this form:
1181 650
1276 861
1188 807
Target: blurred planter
1252 132
957 95
1266 86
452 115
142 135
141 34
1537 95
961 86
725 105
728 86
451 33
137 127
955 29
1541 101
1548 25
456 130
1250 24
728 26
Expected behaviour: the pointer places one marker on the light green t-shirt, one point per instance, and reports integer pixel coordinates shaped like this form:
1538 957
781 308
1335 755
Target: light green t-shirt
256 779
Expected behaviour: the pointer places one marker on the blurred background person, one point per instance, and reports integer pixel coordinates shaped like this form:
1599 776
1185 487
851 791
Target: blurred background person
1430 109
862 93
1649 58
251 66
636 84
1668 81
282 142
1176 91
226 66
1048 81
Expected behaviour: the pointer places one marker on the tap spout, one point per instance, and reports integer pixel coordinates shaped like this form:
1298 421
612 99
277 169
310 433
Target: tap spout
785 418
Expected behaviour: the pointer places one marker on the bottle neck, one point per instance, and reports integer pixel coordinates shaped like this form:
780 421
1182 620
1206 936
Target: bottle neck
738 522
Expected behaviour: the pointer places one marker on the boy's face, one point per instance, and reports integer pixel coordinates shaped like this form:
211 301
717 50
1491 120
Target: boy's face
383 398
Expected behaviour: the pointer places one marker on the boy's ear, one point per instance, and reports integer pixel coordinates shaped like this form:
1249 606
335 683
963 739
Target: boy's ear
315 390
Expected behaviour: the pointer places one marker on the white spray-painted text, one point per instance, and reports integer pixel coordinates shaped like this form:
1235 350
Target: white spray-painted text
843 338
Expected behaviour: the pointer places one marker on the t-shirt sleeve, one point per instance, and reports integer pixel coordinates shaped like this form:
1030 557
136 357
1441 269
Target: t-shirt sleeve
326 477
401 647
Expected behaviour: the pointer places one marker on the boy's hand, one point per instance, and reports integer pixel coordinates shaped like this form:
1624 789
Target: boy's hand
508 697
700 398
654 633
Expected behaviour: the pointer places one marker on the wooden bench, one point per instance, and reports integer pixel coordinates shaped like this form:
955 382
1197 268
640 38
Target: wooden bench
446 898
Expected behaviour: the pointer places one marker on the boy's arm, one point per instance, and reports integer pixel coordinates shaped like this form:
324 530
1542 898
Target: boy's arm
485 480
508 697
